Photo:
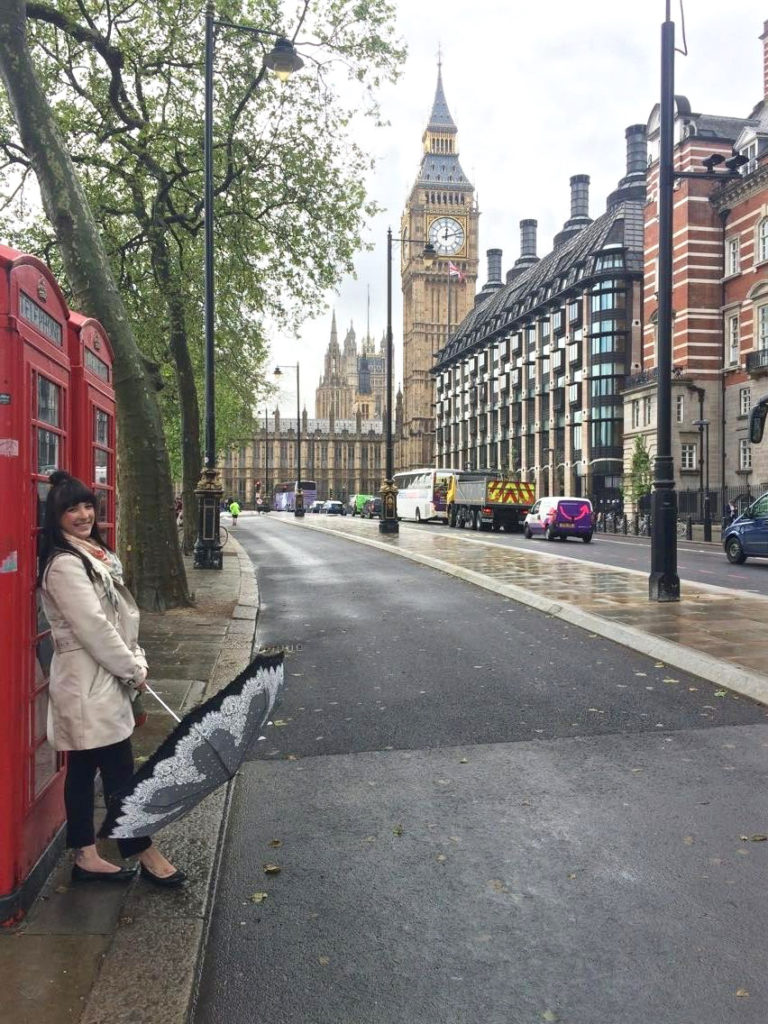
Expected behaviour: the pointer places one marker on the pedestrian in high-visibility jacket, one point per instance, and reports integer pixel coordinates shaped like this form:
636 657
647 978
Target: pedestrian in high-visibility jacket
234 510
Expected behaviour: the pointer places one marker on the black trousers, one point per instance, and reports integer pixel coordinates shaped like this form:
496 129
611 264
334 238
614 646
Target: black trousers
115 763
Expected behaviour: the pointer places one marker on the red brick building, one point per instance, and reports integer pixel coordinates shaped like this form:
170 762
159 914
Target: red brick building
719 303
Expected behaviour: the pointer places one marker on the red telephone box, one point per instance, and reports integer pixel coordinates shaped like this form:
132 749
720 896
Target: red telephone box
35 439
93 415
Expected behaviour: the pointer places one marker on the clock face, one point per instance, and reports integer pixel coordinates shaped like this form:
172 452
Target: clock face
447 235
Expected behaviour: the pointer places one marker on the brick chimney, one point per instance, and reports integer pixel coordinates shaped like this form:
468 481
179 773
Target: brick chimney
764 38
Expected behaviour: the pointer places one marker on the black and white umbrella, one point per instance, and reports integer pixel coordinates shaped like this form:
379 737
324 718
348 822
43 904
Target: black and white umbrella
204 751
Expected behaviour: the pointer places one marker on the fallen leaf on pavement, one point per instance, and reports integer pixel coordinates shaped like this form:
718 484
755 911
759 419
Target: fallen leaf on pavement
275 842
741 993
258 897
721 693
324 960
398 830
272 869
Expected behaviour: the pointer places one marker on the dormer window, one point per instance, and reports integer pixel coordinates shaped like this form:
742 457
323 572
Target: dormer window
750 152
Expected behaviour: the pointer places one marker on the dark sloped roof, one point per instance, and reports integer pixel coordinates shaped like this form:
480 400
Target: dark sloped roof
529 289
440 119
442 169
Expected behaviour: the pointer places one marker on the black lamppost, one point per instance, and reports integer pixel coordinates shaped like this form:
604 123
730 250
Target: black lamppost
663 582
298 508
706 511
388 521
265 497
283 60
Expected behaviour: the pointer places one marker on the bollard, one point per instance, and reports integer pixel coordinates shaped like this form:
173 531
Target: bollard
689 528
624 524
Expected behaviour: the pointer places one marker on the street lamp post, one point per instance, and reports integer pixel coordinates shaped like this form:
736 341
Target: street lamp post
388 520
663 582
706 511
283 60
265 496
298 508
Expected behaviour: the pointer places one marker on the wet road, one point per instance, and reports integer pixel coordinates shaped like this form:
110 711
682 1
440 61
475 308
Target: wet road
699 563
481 814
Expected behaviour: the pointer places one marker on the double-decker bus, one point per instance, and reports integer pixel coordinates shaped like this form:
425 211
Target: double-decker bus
284 495
421 493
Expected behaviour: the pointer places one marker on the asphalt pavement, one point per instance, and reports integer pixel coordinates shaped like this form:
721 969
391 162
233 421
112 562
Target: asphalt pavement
481 813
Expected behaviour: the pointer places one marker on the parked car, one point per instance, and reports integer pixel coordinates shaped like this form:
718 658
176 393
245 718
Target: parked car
333 508
316 506
357 502
747 536
560 517
371 509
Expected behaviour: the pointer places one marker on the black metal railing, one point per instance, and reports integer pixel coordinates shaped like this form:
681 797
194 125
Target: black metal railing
757 360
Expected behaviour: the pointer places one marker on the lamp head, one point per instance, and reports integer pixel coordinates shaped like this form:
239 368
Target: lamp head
712 161
429 255
283 59
736 161
277 372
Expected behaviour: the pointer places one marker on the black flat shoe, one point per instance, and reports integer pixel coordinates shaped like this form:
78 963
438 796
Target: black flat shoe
169 882
84 875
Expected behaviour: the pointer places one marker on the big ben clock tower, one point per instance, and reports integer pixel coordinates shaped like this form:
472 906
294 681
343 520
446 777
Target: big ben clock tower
441 209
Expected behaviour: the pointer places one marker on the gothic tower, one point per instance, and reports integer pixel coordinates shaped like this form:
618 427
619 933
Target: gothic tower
441 209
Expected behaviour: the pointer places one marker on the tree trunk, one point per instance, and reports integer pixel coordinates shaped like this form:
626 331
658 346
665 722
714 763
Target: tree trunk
154 568
189 412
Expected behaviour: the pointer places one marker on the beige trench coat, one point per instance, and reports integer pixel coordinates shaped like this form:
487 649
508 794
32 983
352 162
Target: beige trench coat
96 658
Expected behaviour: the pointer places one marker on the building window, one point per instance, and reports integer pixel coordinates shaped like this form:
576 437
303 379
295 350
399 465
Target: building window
688 456
762 328
745 453
732 339
646 411
745 401
732 256
762 240
679 408
635 413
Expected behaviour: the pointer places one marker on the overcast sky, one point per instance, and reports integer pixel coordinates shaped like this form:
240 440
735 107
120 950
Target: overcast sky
539 92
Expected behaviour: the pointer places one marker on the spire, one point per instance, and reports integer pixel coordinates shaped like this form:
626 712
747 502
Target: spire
334 333
440 118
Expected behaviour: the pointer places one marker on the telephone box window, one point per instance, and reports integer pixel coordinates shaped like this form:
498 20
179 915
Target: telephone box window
47 451
100 466
102 428
48 401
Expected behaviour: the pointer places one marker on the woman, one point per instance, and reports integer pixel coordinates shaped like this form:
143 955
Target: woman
97 669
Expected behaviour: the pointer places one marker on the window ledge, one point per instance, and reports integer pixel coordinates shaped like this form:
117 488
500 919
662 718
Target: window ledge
689 472
743 472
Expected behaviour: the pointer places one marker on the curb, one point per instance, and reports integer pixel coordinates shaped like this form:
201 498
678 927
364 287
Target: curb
723 673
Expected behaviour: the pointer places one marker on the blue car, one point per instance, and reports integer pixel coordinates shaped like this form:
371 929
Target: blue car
747 536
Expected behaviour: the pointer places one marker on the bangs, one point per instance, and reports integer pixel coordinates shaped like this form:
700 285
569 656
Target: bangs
74 492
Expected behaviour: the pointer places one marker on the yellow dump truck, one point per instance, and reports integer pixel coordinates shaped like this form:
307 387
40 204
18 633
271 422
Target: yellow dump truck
486 500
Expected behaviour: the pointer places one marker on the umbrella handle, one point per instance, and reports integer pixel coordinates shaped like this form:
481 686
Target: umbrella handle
160 700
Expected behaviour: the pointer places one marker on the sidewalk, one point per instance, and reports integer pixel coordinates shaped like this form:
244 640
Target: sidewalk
717 633
98 954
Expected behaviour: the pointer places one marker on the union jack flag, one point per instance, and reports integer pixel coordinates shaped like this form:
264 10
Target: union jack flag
455 271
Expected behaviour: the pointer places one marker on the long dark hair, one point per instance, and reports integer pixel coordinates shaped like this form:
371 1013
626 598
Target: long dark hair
65 492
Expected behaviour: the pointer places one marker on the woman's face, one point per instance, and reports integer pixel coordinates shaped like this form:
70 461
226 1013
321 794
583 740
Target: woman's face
78 520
